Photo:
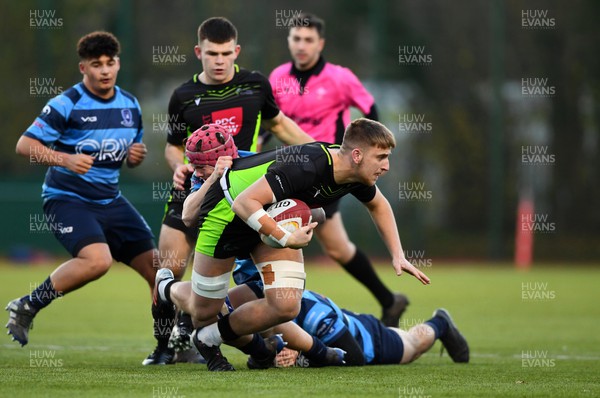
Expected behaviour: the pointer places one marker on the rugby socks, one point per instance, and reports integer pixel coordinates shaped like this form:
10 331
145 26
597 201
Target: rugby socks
164 321
164 289
361 268
439 325
318 351
42 295
216 333
227 334
257 348
209 335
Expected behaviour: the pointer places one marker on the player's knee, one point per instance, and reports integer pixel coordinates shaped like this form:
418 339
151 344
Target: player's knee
202 313
97 265
209 291
286 309
341 253
284 283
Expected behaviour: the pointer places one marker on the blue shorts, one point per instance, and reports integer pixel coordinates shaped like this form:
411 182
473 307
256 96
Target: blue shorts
117 224
387 344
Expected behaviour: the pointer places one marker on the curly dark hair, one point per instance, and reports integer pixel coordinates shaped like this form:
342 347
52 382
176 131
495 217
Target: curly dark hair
96 44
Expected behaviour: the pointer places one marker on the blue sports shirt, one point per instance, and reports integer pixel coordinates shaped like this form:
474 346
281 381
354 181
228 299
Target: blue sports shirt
77 121
322 318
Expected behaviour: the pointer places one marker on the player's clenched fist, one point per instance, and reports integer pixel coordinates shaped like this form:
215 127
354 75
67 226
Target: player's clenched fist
136 154
78 163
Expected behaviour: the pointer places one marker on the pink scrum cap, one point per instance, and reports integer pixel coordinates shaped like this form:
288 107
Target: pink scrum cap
206 144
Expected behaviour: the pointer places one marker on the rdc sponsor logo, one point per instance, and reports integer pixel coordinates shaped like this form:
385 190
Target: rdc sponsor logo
414 56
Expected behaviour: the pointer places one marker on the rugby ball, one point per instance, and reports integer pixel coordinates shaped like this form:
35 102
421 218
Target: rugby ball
290 214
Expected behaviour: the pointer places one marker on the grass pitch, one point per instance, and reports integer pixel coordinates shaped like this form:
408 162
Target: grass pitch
531 333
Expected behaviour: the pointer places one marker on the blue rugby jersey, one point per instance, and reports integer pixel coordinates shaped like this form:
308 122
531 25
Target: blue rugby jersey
322 318
77 121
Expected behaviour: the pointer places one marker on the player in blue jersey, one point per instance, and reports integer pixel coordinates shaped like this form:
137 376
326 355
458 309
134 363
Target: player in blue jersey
84 135
363 337
379 344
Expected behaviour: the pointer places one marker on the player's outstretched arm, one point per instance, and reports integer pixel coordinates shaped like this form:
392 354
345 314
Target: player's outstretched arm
39 153
286 130
383 216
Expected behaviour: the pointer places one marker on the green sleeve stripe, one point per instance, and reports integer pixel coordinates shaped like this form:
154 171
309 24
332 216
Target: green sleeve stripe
256 131
327 153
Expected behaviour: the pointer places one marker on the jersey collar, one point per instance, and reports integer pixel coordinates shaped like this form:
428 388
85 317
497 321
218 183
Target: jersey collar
303 75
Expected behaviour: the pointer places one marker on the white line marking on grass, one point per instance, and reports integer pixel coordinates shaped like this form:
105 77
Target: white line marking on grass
74 347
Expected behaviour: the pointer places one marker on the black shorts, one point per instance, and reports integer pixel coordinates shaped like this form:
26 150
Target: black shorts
173 219
222 234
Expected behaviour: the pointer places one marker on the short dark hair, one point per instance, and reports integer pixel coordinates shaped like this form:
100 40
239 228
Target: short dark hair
308 20
364 133
97 44
217 30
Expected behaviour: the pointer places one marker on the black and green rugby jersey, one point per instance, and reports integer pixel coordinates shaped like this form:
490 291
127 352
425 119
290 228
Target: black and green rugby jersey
302 172
238 105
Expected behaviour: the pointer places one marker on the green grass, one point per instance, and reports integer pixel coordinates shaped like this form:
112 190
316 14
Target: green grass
97 337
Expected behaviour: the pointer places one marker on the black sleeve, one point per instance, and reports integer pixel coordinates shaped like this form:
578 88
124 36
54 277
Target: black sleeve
354 355
373 114
286 179
177 127
270 108
365 193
